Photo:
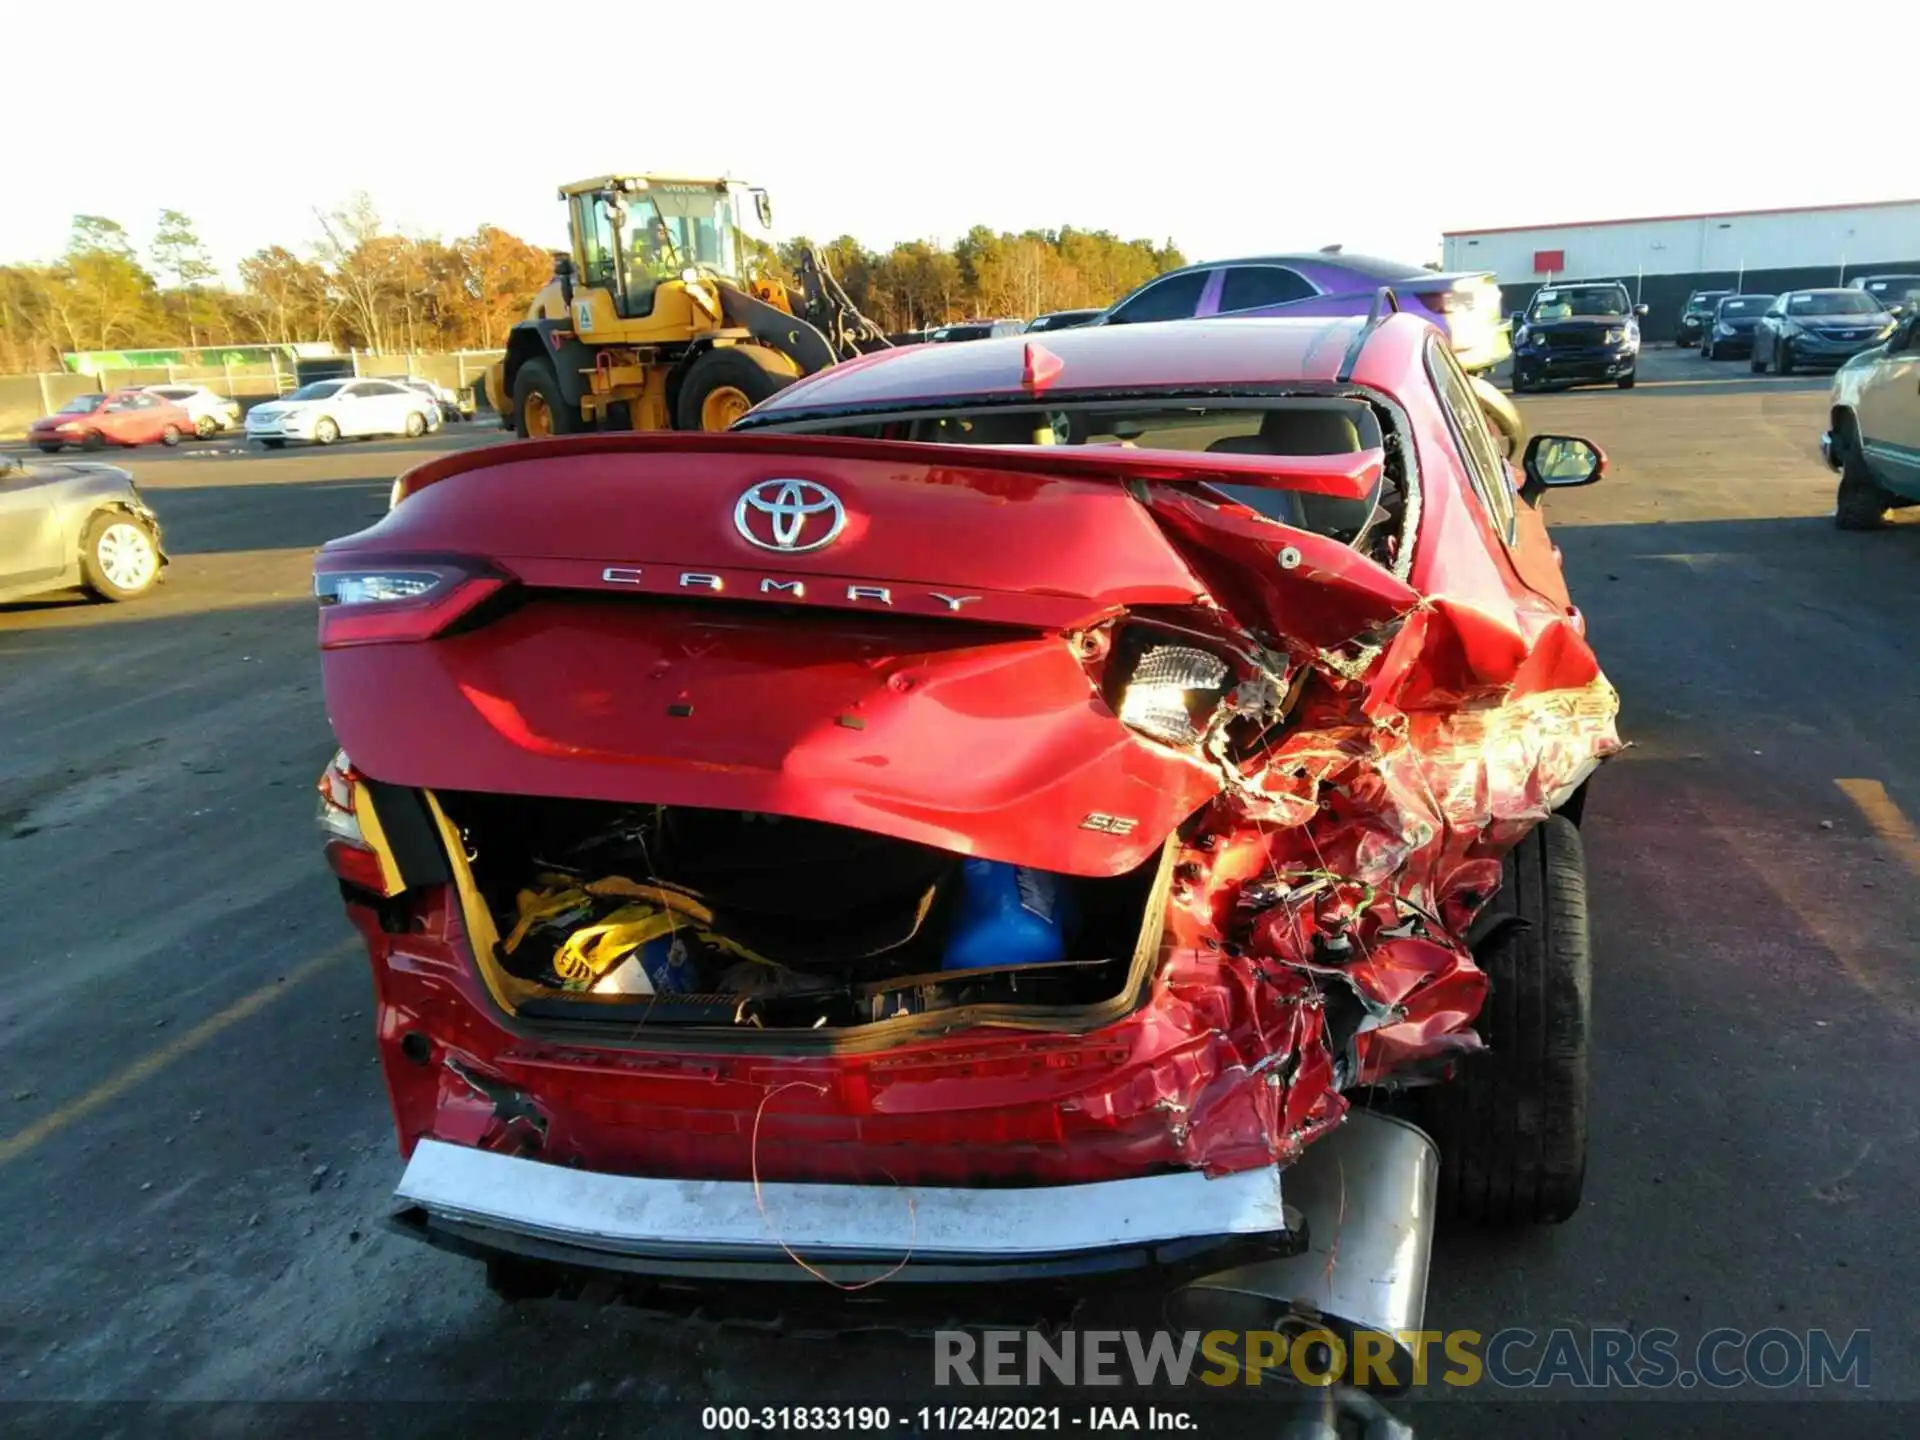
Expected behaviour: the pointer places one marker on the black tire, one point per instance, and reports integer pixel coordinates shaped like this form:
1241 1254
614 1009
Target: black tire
169 435
1517 386
1625 382
1782 358
274 444
720 369
1512 1126
206 427
93 570
1755 365
536 378
1861 503
93 440
46 449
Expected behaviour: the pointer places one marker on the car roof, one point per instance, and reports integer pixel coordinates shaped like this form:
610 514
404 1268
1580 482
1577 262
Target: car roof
1175 354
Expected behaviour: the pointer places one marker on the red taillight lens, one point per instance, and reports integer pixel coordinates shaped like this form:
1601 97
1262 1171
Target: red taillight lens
394 599
349 854
1446 302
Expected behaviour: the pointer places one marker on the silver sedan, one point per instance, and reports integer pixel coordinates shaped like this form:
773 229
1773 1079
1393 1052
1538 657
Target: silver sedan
63 525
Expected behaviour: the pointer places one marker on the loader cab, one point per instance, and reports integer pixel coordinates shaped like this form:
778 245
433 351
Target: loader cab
632 235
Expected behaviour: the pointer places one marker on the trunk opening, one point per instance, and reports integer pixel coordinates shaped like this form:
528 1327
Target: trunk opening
751 926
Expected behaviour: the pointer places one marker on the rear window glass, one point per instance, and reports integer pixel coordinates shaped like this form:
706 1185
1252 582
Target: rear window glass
1893 286
1249 287
1374 268
1745 304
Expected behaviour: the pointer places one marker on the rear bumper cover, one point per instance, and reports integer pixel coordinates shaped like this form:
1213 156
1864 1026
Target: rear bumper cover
484 1203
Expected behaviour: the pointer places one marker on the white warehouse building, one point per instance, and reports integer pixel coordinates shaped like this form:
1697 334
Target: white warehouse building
1663 258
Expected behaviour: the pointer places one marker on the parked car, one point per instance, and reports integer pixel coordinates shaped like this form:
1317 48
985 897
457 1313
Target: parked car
1896 293
1032 806
446 402
1465 305
123 417
1586 333
1731 331
974 330
1817 328
209 412
330 410
1064 319
83 524
1696 315
1874 440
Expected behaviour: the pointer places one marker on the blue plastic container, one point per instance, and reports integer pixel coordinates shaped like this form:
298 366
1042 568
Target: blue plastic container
1009 915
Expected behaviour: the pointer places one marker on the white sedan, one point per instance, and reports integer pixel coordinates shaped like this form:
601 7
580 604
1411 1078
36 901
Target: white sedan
330 410
211 413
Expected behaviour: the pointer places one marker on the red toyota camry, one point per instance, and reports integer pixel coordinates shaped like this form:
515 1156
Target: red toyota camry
1042 809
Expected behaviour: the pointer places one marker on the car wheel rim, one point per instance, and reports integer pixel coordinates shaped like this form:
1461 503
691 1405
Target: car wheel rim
326 432
126 556
724 406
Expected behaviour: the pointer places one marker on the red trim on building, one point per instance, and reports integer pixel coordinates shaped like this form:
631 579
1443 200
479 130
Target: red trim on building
1660 219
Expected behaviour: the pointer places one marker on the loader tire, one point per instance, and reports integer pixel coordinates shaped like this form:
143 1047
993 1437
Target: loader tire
1512 1125
539 409
720 387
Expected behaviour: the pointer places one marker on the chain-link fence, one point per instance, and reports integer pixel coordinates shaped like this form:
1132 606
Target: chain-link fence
24 398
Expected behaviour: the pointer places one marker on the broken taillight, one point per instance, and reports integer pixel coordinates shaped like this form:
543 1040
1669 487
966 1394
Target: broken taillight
349 853
400 598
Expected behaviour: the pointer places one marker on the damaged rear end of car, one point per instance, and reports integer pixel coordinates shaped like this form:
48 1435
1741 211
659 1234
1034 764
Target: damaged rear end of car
938 848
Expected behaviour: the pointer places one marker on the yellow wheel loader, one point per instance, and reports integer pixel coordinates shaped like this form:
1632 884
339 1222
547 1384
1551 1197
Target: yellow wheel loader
655 320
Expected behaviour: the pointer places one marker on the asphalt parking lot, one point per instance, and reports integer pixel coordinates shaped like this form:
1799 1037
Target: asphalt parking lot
195 1149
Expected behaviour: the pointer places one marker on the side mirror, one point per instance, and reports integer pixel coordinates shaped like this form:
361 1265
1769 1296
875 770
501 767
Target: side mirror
763 207
1555 462
1903 335
1640 311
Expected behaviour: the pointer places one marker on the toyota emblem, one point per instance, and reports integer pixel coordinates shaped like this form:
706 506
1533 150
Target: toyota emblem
790 516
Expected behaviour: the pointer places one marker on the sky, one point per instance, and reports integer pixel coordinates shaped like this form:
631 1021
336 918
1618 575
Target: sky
1230 128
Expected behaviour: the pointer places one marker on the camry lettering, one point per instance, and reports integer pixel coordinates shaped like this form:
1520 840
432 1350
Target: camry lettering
789 589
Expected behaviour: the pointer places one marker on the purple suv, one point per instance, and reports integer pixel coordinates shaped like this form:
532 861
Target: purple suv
1466 305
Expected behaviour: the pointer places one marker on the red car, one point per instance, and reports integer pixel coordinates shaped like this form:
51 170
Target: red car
1001 813
124 417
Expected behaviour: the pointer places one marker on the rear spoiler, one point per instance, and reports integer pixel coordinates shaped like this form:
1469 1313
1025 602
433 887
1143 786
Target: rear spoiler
1352 476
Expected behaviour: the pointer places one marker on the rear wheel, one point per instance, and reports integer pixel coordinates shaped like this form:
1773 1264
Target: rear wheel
720 387
1861 503
1512 1127
206 427
539 409
118 559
